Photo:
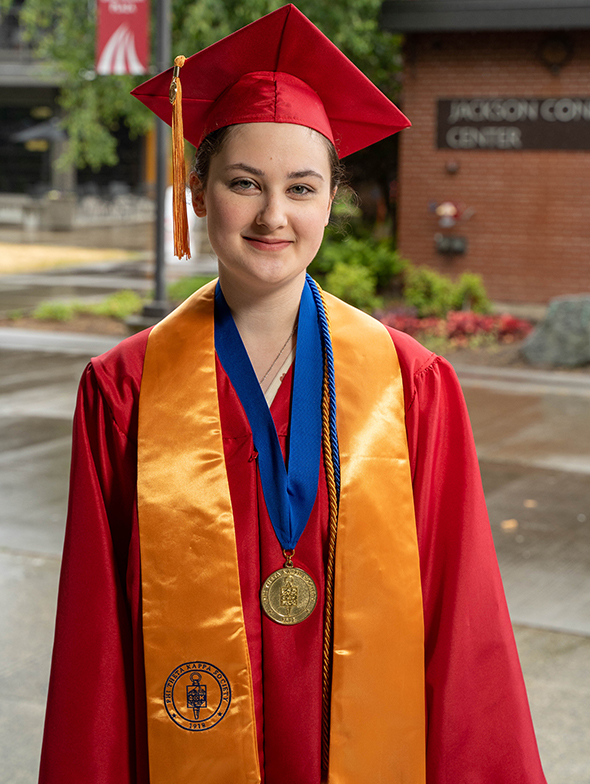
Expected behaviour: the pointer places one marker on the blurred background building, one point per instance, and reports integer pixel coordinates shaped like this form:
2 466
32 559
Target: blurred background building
494 173
32 141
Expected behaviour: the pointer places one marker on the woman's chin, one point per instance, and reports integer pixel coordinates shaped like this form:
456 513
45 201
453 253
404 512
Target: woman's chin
267 272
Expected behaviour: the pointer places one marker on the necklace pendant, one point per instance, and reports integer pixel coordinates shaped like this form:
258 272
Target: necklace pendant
289 595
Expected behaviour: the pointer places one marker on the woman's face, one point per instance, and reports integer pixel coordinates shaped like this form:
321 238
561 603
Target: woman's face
267 200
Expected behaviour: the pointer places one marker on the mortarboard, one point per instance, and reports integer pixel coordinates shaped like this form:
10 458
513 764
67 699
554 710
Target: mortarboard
280 68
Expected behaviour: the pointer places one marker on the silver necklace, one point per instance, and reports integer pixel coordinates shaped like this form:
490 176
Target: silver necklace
276 359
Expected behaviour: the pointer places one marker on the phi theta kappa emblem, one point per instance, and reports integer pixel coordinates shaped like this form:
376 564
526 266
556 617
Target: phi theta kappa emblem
197 696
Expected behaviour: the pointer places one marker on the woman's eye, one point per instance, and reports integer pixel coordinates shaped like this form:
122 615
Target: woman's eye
300 190
243 185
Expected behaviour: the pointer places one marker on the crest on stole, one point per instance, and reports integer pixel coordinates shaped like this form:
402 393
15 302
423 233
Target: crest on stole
197 696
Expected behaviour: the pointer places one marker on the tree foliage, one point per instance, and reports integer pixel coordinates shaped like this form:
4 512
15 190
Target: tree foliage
63 32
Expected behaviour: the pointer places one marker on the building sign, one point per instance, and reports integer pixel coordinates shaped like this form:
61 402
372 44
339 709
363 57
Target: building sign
122 36
514 124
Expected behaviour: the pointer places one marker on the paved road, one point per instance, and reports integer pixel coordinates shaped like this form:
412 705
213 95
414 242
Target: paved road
533 439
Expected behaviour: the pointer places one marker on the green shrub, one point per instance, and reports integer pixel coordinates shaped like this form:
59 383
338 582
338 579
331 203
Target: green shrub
54 311
119 305
354 284
379 257
183 288
433 294
427 291
385 262
470 294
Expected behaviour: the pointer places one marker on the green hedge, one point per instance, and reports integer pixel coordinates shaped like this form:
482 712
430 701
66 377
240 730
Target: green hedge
356 269
361 270
433 294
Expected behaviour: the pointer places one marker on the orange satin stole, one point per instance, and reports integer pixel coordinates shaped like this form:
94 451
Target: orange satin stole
201 724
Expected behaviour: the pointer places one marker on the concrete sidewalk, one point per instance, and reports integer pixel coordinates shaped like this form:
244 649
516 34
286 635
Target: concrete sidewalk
14 339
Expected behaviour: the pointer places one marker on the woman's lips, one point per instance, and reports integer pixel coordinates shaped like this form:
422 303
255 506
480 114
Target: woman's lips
266 244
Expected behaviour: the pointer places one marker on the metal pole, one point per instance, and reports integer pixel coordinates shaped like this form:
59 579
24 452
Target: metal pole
161 183
159 307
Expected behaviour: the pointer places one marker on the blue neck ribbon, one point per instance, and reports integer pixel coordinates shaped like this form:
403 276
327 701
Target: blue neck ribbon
290 487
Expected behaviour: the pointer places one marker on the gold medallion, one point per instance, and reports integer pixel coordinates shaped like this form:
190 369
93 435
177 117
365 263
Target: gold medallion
288 595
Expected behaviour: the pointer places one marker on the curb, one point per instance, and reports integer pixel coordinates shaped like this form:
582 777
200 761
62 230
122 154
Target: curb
524 381
15 339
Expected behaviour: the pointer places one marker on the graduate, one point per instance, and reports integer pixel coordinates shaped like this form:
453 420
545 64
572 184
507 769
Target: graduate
278 565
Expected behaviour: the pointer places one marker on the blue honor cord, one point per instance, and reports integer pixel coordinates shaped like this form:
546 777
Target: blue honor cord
289 489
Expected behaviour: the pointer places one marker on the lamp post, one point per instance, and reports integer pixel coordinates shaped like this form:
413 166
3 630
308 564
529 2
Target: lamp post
160 307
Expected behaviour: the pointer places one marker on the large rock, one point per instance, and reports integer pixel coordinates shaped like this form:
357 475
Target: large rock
563 337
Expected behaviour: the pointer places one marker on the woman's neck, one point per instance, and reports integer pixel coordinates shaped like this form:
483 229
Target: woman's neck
265 319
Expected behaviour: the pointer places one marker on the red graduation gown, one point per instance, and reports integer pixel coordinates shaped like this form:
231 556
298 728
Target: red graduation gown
478 722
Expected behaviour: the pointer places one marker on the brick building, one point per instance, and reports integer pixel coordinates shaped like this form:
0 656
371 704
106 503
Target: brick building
495 172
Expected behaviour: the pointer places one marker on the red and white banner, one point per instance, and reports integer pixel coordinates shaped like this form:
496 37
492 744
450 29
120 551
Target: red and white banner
122 36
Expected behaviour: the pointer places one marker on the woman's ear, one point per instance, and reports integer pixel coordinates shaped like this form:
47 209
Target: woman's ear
198 194
332 197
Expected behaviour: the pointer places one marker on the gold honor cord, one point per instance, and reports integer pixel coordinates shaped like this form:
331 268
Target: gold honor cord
329 586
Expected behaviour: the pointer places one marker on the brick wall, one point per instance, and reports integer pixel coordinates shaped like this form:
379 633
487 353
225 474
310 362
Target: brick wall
529 236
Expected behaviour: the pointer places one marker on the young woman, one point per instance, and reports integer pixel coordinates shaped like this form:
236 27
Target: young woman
278 565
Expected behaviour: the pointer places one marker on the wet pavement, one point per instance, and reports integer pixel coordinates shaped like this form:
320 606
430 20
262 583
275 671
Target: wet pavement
534 451
555 670
35 425
532 430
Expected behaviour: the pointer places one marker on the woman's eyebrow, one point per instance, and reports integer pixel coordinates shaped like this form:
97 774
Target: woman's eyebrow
245 167
304 173
295 175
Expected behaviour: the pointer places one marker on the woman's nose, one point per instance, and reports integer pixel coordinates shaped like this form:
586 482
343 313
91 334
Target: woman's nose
272 212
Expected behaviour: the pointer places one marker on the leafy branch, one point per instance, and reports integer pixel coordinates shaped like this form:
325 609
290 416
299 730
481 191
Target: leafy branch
62 34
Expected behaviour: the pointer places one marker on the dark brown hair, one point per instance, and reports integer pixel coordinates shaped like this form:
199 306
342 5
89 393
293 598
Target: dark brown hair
213 143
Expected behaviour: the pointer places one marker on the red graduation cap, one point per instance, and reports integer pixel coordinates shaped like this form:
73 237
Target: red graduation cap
280 68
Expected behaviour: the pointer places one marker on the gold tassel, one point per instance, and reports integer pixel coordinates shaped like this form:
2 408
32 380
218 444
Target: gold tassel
181 239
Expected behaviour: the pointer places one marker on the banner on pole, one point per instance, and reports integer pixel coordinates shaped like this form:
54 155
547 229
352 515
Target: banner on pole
122 36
